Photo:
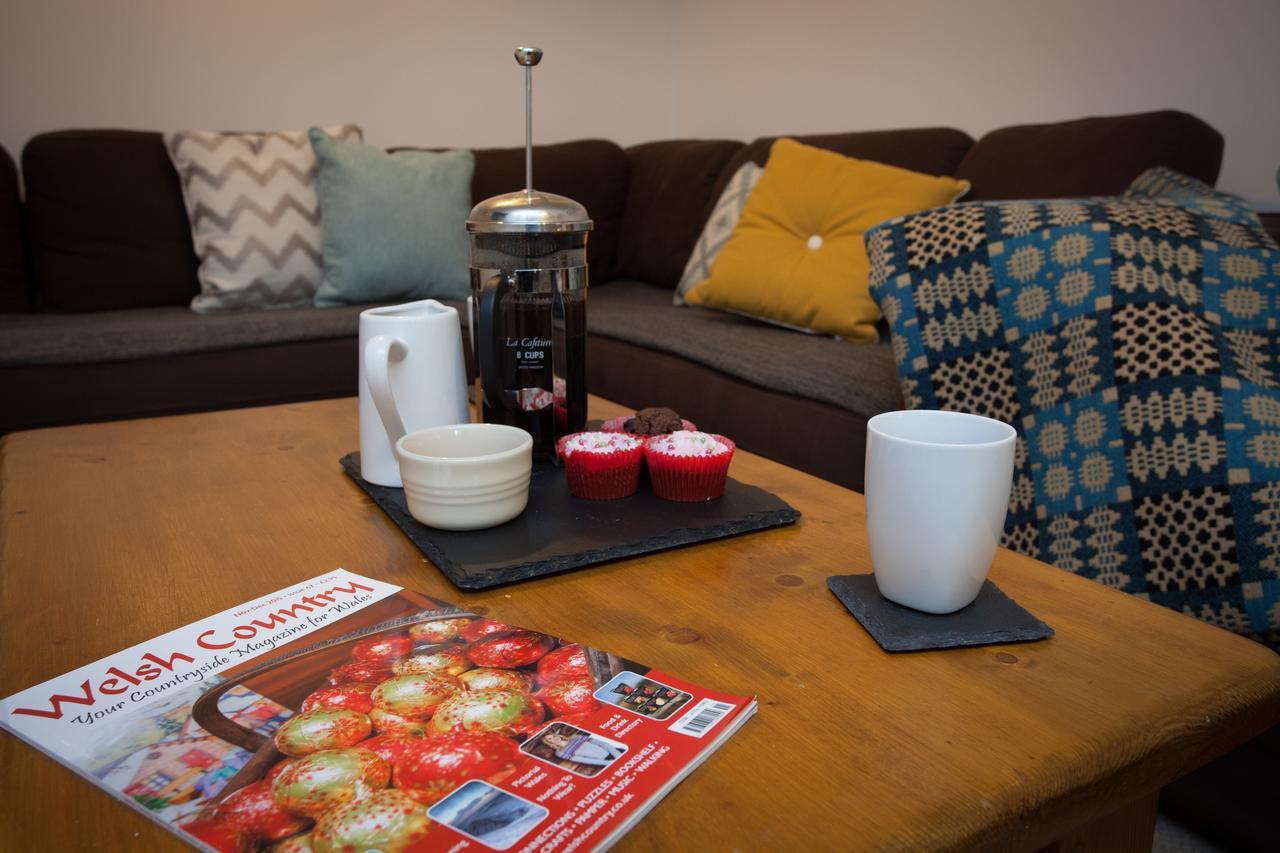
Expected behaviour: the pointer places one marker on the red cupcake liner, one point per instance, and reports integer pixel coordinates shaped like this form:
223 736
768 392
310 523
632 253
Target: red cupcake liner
616 424
689 478
602 476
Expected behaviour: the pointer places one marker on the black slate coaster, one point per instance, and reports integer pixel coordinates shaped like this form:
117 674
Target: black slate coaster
558 532
993 617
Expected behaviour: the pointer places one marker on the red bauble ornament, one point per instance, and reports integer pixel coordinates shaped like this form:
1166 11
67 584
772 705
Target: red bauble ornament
222 835
483 628
511 650
437 765
367 672
448 660
390 747
570 696
324 728
354 697
382 649
509 712
485 678
565 662
439 630
313 785
254 809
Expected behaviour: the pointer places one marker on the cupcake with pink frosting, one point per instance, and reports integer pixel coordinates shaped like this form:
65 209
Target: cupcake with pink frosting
601 466
688 466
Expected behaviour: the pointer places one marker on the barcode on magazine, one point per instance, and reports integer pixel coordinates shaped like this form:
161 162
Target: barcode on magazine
701 717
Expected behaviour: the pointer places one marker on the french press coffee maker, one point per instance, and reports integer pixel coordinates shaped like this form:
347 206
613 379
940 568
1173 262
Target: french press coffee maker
529 302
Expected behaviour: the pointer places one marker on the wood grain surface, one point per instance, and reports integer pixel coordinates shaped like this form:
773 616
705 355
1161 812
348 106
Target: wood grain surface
114 533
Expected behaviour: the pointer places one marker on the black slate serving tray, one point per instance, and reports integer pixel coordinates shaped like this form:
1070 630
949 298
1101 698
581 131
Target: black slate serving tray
559 532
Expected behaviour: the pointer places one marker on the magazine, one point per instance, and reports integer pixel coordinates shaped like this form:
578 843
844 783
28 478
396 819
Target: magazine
344 713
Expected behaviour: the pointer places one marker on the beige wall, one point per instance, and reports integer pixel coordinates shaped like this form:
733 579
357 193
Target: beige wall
439 71
747 69
436 72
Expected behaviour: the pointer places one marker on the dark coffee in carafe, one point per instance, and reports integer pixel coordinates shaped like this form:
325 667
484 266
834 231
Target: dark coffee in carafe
531 343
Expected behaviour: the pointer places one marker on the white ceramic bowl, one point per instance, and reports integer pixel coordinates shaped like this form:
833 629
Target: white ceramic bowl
466 476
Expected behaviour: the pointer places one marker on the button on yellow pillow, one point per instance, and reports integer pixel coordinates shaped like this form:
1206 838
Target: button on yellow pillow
796 257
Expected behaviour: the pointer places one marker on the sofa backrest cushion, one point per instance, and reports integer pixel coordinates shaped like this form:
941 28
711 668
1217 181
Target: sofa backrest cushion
668 199
1088 157
931 150
13 277
592 172
106 225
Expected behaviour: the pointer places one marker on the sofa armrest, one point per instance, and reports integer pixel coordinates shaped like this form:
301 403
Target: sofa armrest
15 294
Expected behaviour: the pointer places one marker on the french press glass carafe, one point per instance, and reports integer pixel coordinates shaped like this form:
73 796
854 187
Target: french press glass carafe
529 305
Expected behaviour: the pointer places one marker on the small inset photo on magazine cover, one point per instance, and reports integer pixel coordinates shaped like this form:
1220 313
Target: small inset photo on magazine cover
489 815
581 752
642 695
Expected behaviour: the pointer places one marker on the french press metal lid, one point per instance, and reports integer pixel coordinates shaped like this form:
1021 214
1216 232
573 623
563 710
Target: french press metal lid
528 210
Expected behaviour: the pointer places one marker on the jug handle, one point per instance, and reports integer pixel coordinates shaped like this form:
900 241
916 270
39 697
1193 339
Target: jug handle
490 351
379 352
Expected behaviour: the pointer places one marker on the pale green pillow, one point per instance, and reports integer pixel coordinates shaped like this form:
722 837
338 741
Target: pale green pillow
393 226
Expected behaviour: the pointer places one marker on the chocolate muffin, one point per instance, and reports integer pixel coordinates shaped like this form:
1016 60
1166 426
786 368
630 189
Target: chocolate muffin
653 421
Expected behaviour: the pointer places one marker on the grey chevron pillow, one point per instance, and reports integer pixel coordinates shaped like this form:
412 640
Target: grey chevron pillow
255 216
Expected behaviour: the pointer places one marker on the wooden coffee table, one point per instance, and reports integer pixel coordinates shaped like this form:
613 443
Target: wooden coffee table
114 533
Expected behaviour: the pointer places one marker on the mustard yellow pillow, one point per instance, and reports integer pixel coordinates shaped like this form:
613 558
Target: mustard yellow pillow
796 257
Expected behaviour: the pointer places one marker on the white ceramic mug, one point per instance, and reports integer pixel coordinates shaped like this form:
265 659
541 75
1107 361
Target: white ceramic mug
937 489
412 376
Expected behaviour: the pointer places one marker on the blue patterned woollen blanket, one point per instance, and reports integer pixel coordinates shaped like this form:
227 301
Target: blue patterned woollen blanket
1134 344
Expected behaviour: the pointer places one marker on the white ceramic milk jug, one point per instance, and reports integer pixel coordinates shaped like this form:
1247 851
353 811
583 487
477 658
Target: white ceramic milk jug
412 377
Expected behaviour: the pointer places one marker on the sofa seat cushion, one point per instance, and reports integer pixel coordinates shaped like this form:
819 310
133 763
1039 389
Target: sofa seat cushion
45 395
857 377
143 333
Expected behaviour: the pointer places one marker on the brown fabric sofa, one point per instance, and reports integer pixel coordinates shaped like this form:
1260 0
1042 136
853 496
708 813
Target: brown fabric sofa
97 270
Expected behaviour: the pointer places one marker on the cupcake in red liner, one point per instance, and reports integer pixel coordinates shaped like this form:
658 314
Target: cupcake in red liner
601 466
651 421
689 466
